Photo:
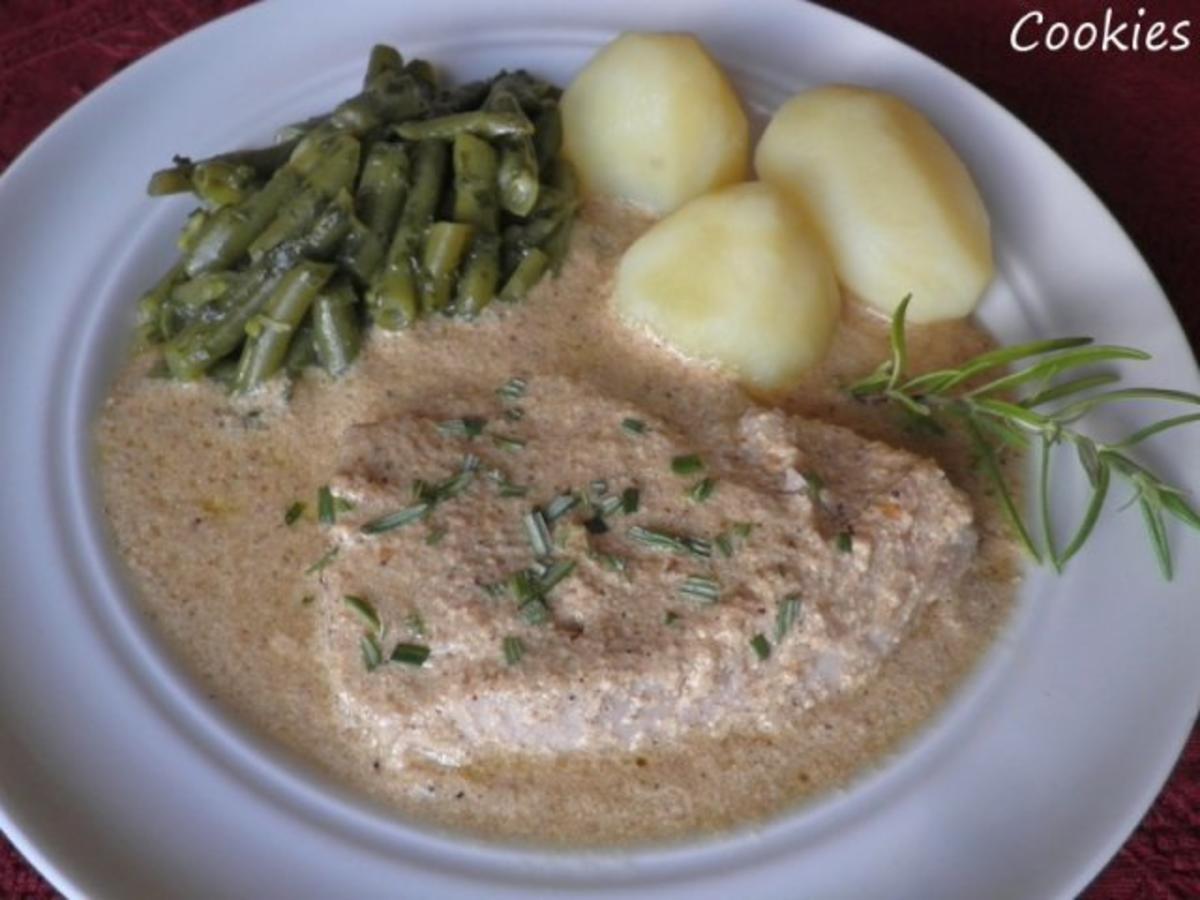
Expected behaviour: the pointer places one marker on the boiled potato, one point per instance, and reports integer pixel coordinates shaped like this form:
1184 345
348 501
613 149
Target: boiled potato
737 277
893 201
653 120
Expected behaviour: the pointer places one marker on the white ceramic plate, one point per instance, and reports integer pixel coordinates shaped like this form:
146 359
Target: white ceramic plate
118 779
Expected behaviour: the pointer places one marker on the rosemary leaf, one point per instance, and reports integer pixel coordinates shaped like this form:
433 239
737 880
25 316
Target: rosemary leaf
294 512
409 654
514 649
326 514
762 647
365 610
787 616
398 519
702 588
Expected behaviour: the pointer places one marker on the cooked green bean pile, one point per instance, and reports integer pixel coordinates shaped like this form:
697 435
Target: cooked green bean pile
407 200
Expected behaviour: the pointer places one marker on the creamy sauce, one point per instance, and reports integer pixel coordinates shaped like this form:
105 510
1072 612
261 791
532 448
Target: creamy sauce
196 486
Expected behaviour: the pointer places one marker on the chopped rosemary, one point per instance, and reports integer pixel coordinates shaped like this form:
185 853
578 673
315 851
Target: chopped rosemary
688 464
308 600
762 647
410 654
609 505
556 573
789 613
325 559
372 653
630 500
560 506
294 512
508 489
844 541
671 617
365 610
513 389
326 514
611 561
341 504
514 649
494 588
468 427
815 484
634 426
661 540
523 586
435 536
743 529
398 519
509 444
538 533
701 587
703 489
724 544
514 414
534 610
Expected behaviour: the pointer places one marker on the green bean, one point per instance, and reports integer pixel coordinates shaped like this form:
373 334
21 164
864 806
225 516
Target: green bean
528 273
335 171
392 296
148 328
325 236
480 276
222 183
477 122
445 243
291 134
458 99
475 201
194 301
517 175
422 70
176 180
229 232
531 92
547 136
361 254
302 351
336 334
203 288
270 332
263 160
197 221
383 58
394 96
382 189
201 345
429 170
565 181
557 203
557 245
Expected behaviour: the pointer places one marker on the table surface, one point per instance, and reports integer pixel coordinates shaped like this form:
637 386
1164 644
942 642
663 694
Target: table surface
1127 122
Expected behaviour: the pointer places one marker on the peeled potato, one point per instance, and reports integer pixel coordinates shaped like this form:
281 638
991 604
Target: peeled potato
896 206
653 120
737 277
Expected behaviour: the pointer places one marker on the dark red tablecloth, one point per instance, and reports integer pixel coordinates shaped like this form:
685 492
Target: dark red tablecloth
1129 122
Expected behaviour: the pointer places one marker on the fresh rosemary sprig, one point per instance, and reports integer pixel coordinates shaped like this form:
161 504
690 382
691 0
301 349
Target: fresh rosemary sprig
985 398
